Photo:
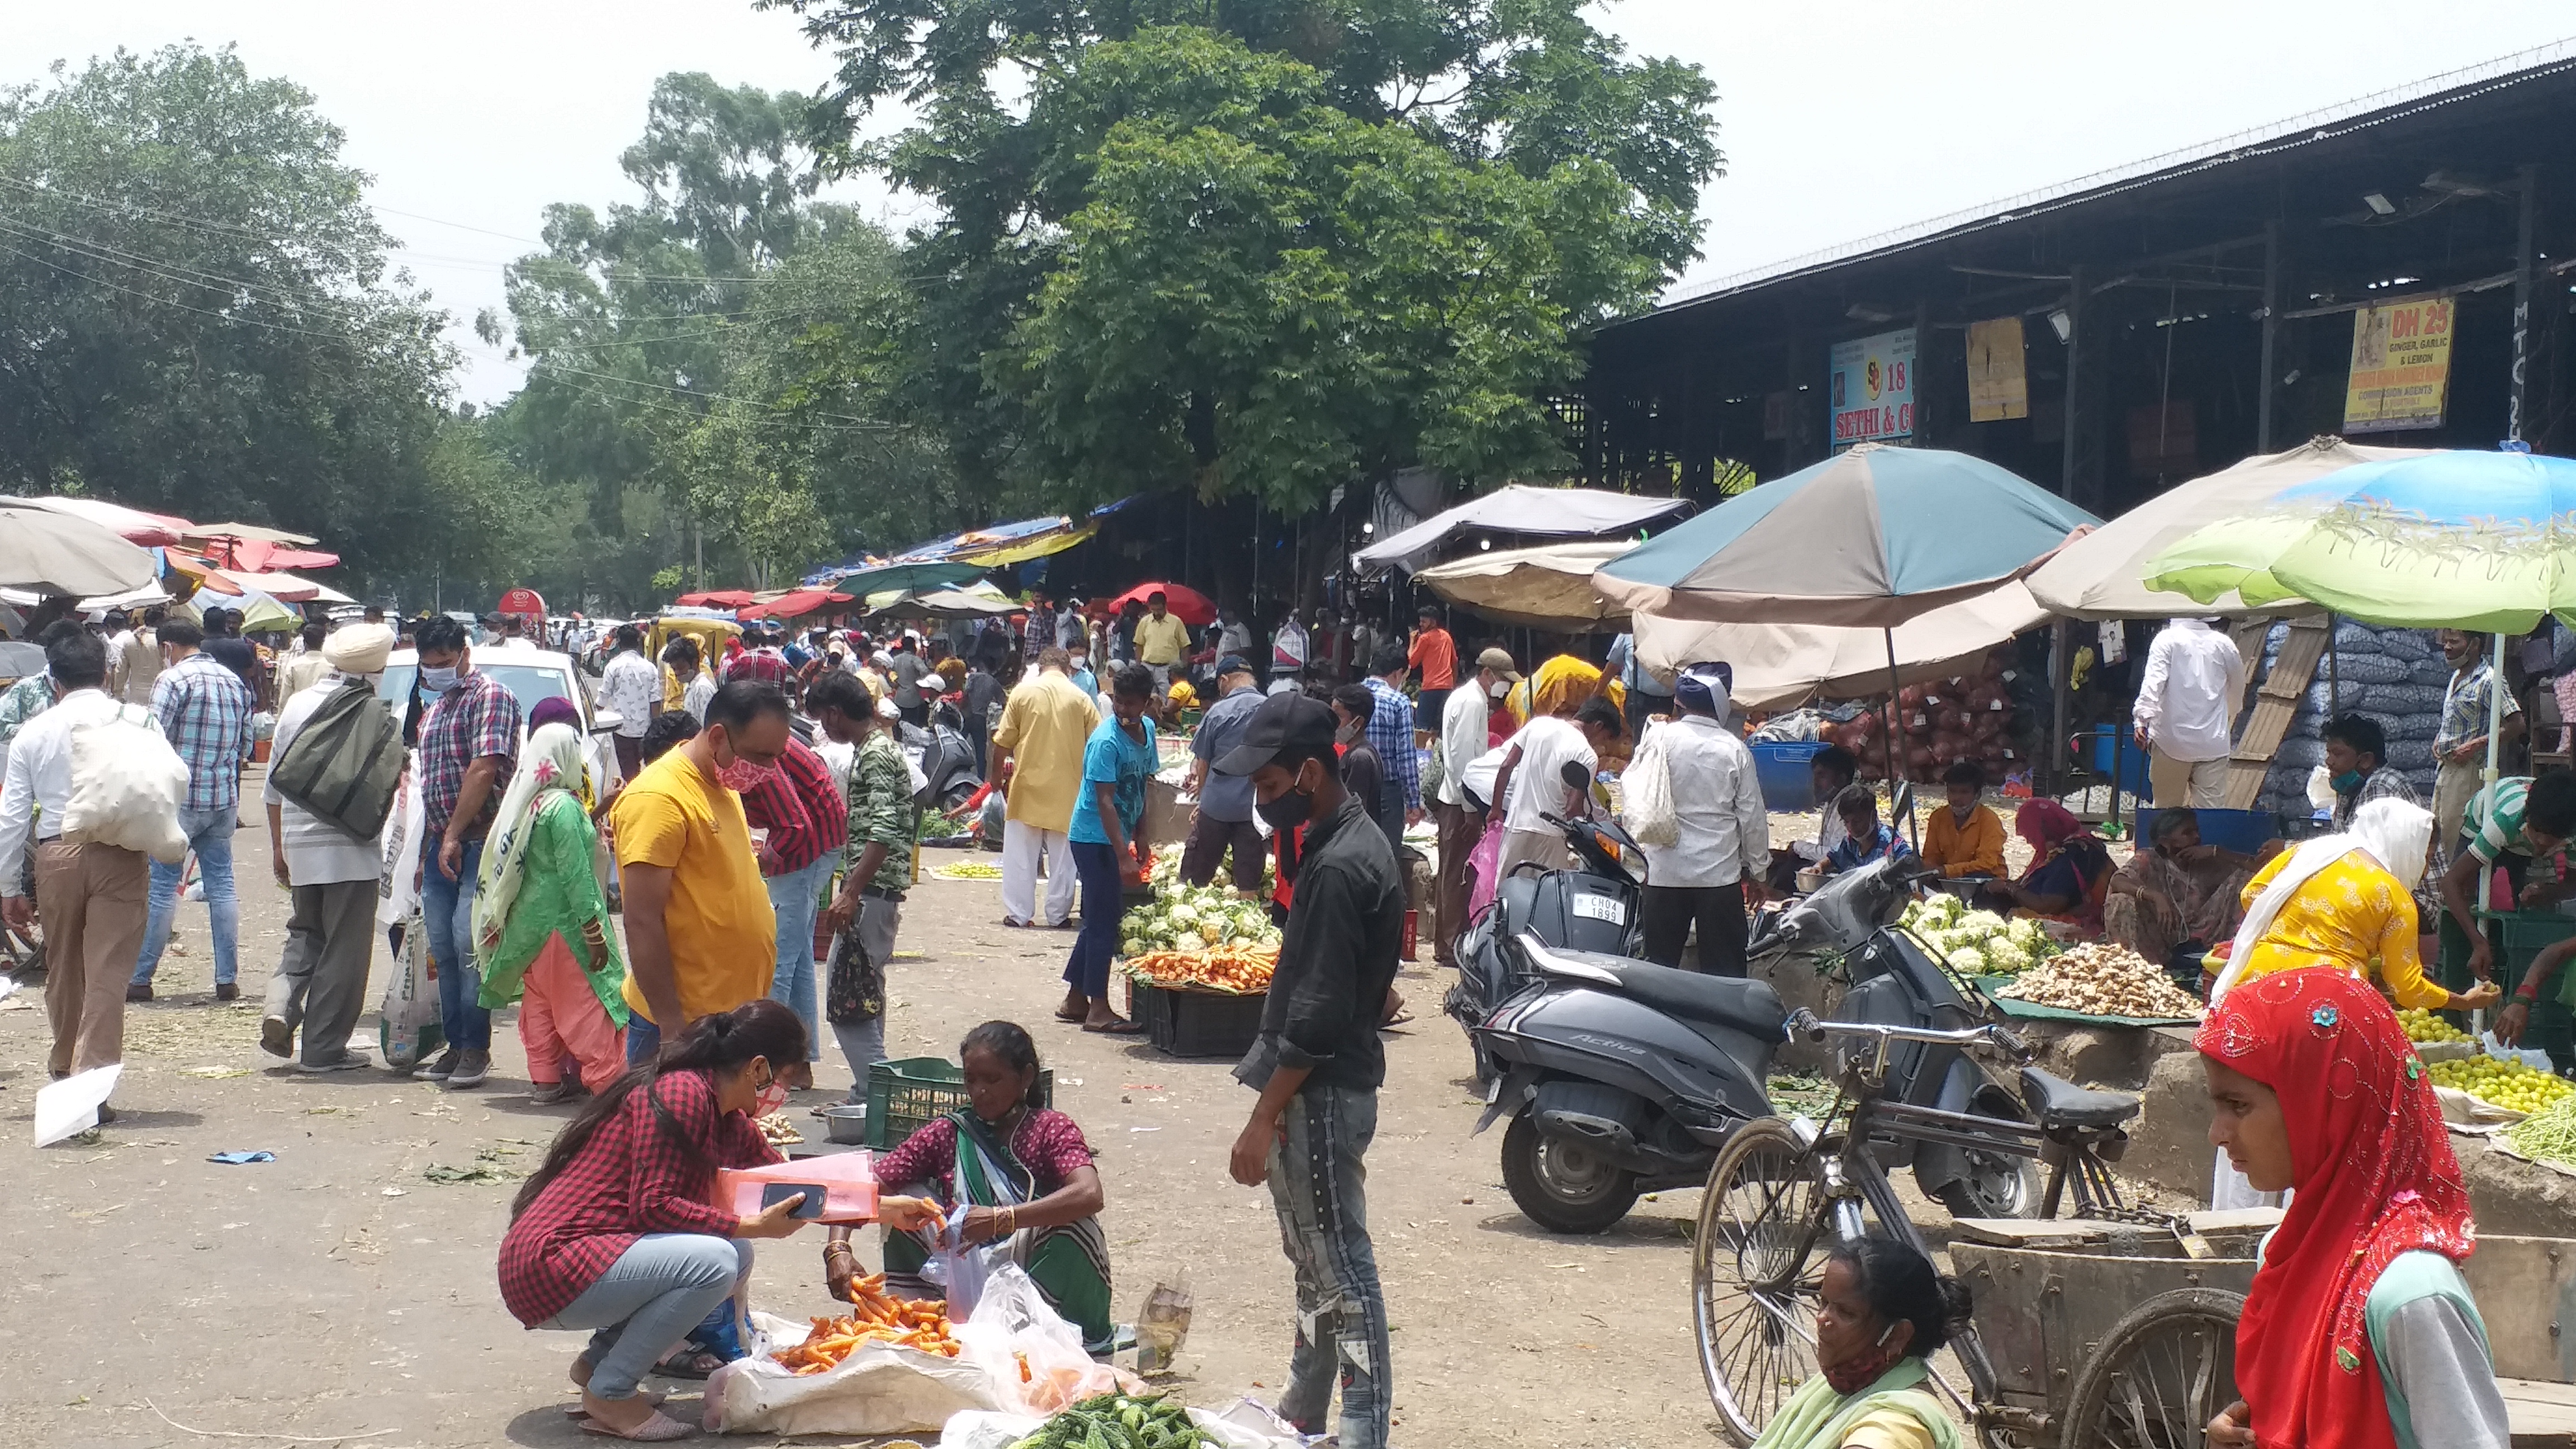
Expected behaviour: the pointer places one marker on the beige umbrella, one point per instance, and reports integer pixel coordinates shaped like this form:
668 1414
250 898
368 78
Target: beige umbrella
55 552
2098 576
247 533
1546 587
1779 665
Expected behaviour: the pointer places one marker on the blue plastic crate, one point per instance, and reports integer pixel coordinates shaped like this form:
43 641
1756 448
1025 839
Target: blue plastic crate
1787 783
2242 831
2101 743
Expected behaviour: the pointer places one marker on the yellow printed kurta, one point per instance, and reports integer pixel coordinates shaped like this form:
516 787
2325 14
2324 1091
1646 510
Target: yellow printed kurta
2347 915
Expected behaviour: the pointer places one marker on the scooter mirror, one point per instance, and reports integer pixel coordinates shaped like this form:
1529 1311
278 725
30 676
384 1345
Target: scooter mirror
1575 776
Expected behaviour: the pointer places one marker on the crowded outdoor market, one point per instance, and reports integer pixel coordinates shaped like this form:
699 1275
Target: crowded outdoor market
1943 946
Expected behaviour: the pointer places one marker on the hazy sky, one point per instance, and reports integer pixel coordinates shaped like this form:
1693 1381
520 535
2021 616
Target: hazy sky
1837 122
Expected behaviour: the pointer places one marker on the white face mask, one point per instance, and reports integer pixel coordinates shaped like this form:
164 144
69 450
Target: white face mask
1499 688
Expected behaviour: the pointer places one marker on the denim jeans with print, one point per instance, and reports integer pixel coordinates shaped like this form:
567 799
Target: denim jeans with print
1316 1183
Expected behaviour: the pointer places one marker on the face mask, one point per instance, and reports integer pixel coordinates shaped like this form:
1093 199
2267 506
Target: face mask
1294 807
1500 688
742 776
437 680
770 1098
2347 782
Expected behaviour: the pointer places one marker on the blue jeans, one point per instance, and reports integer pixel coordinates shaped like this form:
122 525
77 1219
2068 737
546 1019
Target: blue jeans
1103 899
1316 1178
659 1289
797 897
210 835
447 913
643 1039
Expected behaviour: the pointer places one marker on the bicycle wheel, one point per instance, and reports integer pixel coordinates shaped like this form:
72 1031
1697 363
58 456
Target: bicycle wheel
1755 1265
2161 1374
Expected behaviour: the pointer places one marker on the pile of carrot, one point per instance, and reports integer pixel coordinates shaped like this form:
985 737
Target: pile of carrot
1245 973
874 1318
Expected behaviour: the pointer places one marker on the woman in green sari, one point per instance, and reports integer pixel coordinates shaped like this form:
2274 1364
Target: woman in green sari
1884 1311
1023 1174
541 922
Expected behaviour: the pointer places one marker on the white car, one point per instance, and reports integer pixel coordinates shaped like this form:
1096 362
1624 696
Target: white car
534 675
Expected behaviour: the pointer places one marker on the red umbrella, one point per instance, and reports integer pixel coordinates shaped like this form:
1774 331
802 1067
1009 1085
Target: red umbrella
788 606
717 599
1181 599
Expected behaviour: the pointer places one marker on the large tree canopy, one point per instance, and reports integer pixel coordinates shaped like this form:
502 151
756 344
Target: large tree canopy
1266 245
200 318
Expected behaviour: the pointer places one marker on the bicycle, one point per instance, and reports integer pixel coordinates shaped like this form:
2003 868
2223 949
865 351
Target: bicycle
1782 1193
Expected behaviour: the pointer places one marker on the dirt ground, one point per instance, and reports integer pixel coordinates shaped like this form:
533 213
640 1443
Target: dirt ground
339 1295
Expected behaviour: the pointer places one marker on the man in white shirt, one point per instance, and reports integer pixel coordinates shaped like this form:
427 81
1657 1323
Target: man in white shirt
2186 713
330 876
1529 782
134 659
1463 723
93 896
1704 877
631 688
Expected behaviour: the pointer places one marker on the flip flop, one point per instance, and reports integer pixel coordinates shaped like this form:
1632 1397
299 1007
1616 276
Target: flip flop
1015 924
657 1428
689 1363
1123 1026
1072 1018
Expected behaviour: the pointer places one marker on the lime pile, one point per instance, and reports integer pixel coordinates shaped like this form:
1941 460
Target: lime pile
2423 1026
2502 1083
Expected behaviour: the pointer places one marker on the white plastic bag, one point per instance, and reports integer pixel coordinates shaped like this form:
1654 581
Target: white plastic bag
127 786
410 1030
878 1389
986 1429
1034 1357
962 1270
398 885
1647 791
71 1105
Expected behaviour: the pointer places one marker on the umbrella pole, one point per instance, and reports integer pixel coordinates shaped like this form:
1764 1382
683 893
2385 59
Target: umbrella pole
1887 741
2495 724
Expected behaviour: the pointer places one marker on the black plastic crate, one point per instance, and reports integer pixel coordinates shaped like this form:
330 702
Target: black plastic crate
905 1095
1185 1023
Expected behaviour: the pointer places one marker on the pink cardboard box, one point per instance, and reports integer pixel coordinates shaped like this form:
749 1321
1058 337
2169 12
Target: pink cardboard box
848 1180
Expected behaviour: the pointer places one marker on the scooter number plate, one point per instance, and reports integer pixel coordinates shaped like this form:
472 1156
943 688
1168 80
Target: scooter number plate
1602 908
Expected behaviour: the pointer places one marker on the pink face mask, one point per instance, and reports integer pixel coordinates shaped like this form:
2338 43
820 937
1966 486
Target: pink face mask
743 775
771 1098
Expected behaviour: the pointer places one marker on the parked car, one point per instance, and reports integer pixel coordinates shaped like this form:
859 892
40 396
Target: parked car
533 675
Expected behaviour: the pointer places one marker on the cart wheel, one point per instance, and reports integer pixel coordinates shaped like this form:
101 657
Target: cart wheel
1755 1265
2160 1375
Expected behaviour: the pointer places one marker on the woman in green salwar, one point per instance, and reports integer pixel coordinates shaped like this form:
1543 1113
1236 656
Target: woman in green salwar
1021 1172
541 922
1884 1310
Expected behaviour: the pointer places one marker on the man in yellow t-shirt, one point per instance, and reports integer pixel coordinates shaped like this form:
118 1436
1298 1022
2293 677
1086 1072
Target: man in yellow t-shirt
1045 724
701 936
1161 639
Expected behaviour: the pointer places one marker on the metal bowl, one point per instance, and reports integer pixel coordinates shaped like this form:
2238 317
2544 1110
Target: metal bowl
846 1123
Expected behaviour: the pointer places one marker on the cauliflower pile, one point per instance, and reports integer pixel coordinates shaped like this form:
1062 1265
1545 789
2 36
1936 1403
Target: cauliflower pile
1205 918
1977 943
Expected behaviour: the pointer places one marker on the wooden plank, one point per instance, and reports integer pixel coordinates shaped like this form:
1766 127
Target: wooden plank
2540 1414
2276 704
2236 1220
2024 1233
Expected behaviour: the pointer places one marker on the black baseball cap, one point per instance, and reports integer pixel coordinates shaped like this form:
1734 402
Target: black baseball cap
1283 724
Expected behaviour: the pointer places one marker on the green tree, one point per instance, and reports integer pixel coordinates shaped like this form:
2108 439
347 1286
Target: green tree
199 313
1267 245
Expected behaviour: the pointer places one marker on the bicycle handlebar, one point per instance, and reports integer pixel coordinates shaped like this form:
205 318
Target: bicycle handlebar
1807 1024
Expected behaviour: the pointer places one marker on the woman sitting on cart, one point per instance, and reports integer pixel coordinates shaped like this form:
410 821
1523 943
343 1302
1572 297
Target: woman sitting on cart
2358 1330
2179 897
2342 901
1883 1311
1023 1174
2070 869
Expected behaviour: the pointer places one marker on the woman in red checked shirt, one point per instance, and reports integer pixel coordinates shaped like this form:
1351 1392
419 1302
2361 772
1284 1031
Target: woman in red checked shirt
615 1233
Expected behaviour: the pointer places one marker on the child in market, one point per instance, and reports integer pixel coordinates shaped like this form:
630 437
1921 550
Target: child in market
1865 837
1967 838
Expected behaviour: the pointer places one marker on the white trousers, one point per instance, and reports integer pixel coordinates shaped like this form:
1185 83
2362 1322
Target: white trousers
1022 847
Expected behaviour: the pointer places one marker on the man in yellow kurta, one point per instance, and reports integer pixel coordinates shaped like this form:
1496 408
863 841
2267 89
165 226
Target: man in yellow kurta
1966 838
1045 723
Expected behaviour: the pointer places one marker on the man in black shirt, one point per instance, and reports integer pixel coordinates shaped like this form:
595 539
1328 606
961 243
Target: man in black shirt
1318 1064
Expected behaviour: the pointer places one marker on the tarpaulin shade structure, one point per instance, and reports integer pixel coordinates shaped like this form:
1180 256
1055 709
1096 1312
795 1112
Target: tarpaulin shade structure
949 604
1868 538
791 604
1546 587
716 599
2101 575
134 525
900 575
1779 665
1520 508
57 551
1193 607
1010 543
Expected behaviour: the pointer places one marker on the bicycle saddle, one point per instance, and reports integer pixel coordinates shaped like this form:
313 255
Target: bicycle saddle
2062 1104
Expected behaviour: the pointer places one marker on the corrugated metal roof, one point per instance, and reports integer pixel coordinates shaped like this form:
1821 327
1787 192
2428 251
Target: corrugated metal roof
2378 108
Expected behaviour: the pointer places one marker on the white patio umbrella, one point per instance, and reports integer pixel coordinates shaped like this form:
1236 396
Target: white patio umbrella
56 552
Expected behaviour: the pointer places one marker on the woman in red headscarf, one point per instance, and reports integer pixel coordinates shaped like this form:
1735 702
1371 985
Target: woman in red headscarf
2070 869
2358 1328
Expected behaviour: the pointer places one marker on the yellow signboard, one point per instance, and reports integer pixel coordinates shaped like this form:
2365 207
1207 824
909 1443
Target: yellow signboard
1997 386
2401 366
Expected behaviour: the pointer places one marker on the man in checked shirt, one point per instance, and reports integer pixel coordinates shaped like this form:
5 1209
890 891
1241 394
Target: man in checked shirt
205 711
469 744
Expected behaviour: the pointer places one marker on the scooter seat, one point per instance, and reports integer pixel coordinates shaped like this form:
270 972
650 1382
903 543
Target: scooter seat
1751 1007
2062 1104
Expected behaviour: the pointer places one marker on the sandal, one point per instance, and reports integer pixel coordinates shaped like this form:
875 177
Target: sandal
657 1428
1073 1018
1015 923
689 1363
1116 1026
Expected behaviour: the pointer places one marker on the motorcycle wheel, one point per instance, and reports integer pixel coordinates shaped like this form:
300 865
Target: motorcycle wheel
1561 1188
1998 1184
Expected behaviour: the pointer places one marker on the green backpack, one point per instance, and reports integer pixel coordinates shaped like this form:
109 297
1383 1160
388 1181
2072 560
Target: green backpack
344 764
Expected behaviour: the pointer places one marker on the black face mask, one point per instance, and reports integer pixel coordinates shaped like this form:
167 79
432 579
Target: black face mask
1294 807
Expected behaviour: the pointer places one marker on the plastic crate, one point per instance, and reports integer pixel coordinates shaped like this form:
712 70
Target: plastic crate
1184 1023
2100 746
904 1096
2519 936
1781 766
2243 831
